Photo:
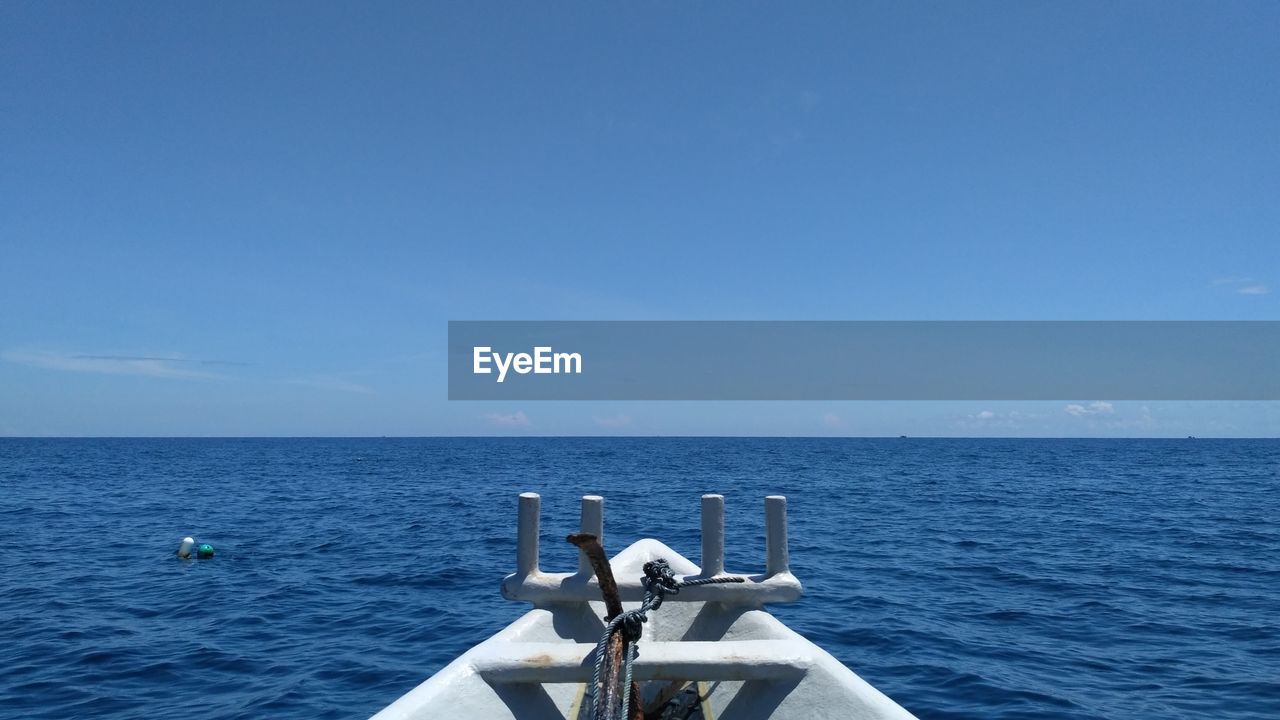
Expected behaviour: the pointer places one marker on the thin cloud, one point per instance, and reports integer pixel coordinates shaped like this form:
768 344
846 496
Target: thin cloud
616 421
125 357
130 358
1243 285
1231 280
515 419
329 382
143 365
987 421
832 420
1099 407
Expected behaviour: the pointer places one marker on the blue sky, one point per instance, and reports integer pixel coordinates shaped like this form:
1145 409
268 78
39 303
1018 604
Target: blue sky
237 220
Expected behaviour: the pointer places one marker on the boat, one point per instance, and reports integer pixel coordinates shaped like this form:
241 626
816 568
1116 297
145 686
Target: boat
710 651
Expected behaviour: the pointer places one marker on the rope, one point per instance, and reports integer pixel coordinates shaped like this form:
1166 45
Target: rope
658 582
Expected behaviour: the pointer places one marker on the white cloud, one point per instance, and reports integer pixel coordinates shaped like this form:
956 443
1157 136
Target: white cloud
832 420
988 421
1098 407
145 365
616 421
1243 285
515 419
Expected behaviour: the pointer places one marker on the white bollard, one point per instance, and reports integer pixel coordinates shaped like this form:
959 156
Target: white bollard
777 557
592 522
712 535
184 550
527 534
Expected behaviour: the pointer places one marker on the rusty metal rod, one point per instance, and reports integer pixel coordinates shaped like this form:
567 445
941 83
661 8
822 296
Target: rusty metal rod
590 545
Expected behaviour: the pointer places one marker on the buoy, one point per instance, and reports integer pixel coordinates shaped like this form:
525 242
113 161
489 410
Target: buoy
184 550
205 551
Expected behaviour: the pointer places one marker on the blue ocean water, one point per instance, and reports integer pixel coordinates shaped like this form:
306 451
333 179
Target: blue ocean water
995 579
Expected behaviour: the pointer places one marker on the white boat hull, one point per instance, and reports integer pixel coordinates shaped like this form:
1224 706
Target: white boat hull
742 661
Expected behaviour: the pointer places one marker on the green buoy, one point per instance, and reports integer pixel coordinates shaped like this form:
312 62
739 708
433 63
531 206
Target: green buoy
205 551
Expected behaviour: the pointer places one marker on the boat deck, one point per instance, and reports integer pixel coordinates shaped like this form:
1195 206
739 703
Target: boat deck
709 652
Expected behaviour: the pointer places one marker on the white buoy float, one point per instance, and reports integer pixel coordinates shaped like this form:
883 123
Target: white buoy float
202 552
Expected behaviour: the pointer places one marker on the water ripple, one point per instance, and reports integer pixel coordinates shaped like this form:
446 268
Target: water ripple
993 579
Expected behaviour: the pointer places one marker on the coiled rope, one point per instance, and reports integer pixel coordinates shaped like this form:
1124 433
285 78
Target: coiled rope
658 582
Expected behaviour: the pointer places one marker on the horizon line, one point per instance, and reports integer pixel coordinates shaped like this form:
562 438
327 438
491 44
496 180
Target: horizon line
639 437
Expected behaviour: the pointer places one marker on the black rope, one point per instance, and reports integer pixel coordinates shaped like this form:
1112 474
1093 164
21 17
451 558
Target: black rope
658 581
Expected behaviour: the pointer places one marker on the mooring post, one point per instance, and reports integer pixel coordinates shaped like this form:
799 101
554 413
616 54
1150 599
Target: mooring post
527 534
712 535
592 523
777 558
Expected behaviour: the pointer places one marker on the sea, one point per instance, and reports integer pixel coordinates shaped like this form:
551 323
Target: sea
965 578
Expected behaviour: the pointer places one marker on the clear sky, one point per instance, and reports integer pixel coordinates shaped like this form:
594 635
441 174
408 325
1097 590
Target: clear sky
256 219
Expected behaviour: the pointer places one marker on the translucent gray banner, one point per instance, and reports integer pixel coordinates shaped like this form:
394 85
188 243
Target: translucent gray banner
864 360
